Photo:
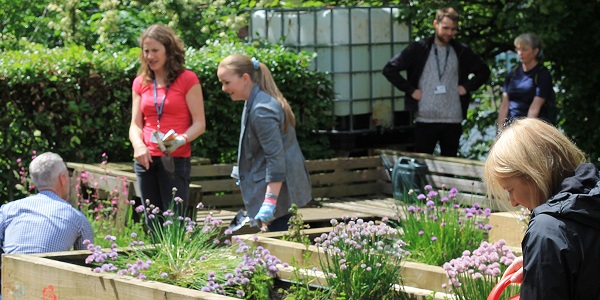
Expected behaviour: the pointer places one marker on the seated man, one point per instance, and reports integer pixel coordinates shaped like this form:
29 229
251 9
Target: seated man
45 222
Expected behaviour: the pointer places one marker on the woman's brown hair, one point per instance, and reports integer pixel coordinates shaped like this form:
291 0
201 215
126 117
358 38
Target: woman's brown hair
174 52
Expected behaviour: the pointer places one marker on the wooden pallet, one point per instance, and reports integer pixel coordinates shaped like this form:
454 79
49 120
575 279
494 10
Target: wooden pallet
330 178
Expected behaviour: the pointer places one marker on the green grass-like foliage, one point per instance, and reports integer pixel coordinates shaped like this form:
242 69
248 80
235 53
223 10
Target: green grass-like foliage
437 228
361 260
190 255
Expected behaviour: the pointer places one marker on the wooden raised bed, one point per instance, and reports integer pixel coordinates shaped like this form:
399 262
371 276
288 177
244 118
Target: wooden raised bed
60 275
417 275
507 226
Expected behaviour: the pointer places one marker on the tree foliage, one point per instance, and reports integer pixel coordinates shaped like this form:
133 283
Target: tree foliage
567 28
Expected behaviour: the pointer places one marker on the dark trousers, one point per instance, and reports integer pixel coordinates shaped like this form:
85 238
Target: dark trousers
156 184
280 224
427 135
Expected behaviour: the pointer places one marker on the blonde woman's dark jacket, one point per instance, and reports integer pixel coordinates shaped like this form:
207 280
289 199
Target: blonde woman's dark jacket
267 153
562 243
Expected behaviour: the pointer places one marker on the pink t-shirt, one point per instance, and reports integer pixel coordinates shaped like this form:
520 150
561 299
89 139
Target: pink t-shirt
175 112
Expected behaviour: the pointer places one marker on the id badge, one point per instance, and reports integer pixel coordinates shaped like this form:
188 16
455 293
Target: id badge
440 89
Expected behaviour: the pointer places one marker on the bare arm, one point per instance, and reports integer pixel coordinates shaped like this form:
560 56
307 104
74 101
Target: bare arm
535 107
140 150
274 188
195 103
502 111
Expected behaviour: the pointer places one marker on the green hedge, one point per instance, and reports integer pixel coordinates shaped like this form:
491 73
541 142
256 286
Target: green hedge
78 103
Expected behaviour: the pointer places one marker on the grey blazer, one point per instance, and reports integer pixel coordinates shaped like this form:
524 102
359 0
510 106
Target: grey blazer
268 154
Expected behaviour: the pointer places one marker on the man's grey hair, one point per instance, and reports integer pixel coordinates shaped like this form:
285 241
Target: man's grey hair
45 169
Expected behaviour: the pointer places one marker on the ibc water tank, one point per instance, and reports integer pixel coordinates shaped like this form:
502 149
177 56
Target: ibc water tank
353 45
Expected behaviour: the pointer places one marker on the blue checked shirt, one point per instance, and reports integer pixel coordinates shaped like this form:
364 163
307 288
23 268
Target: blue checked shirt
42 223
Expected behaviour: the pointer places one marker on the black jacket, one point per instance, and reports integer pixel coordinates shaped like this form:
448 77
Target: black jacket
413 59
561 247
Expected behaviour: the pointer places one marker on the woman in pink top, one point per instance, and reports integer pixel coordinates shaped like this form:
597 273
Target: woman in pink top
165 96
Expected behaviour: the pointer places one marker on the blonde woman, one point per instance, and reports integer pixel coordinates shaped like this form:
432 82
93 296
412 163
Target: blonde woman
271 168
535 165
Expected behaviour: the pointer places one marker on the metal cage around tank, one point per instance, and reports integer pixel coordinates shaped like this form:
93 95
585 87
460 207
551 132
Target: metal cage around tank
352 45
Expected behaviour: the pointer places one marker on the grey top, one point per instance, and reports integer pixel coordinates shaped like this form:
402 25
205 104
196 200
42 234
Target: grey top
268 154
440 71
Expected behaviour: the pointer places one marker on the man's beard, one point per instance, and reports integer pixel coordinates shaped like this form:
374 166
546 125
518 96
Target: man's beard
442 39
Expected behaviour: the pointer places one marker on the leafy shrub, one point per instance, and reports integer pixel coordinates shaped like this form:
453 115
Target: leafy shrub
77 103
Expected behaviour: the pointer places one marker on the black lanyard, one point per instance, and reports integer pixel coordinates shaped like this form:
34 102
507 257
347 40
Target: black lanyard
159 109
440 71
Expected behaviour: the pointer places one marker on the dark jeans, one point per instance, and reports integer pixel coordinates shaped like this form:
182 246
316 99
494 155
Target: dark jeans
427 135
156 184
280 224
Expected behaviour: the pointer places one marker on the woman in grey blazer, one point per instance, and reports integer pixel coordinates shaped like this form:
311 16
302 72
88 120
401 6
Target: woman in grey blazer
271 168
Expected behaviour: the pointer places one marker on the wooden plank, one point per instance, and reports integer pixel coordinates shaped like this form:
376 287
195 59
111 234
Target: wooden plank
352 206
226 200
343 177
463 185
508 226
467 169
345 190
128 166
423 276
29 276
440 164
319 214
217 170
217 185
100 170
347 163
309 214
459 160
314 166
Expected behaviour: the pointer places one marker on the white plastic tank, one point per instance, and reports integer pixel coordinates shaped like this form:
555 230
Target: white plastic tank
353 45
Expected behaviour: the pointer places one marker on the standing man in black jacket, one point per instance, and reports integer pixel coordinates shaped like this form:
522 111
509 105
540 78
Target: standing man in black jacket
438 86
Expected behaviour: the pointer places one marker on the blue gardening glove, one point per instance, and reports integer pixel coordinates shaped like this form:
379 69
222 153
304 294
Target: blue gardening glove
266 212
175 143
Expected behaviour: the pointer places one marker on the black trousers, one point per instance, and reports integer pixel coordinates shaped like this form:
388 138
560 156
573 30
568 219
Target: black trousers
156 184
427 135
